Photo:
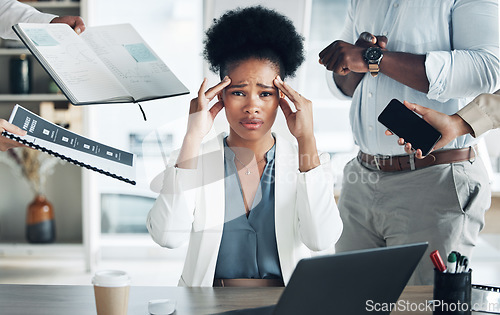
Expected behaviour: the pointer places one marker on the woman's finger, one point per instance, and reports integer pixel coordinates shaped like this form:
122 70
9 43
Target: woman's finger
293 95
5 125
408 148
203 86
216 108
213 91
419 154
285 107
419 109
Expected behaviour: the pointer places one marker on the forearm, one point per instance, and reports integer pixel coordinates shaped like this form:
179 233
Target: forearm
461 126
348 83
308 154
190 149
406 68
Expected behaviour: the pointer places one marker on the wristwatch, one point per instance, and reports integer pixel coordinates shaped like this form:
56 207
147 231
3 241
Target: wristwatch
373 56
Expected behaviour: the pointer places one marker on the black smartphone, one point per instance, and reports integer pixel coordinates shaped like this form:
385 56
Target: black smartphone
406 124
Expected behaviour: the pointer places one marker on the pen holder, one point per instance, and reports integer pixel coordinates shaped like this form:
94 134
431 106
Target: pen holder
452 293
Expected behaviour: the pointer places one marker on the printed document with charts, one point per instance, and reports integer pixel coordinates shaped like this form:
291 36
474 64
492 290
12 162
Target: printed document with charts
48 137
105 64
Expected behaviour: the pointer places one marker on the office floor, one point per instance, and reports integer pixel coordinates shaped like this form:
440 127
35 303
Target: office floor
166 271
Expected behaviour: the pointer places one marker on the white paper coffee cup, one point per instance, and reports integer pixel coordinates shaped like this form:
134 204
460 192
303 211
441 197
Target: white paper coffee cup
111 290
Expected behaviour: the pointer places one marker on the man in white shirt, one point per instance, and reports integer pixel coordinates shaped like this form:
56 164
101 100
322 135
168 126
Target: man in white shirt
437 54
11 13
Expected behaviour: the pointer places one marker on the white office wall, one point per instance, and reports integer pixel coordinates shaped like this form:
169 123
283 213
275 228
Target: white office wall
174 29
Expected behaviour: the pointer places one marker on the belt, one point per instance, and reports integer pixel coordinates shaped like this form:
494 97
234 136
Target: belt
248 283
398 163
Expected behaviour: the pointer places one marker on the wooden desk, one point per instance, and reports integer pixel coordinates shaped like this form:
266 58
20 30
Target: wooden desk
76 300
68 299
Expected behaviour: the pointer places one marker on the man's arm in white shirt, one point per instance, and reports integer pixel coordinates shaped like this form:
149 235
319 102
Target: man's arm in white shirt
13 12
472 67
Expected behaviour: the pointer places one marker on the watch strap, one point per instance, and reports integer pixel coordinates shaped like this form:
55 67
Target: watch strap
374 69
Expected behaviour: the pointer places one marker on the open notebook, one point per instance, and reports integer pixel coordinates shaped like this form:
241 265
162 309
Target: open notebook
105 64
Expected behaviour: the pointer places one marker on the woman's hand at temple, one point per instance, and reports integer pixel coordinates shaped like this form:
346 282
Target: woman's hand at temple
201 116
300 124
200 121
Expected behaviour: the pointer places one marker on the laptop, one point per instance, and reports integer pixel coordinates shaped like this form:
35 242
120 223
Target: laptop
346 283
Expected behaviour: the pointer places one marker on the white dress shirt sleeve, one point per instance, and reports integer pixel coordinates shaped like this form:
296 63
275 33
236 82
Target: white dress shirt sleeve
473 64
13 12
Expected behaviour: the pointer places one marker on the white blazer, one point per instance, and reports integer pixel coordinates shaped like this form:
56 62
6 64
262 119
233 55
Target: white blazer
190 207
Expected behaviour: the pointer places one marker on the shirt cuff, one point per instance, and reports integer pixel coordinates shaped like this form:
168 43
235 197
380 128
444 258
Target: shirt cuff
334 89
324 169
173 176
476 118
437 67
42 18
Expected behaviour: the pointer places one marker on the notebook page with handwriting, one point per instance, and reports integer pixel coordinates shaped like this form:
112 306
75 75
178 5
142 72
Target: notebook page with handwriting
77 69
139 69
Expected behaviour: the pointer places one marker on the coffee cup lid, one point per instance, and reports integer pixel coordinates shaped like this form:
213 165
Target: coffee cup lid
111 278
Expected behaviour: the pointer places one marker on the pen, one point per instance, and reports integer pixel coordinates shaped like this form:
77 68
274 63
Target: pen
451 264
464 263
458 258
438 261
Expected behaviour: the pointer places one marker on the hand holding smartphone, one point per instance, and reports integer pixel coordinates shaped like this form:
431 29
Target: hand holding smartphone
404 123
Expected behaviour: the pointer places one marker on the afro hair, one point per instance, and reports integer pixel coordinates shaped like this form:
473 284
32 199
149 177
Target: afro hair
253 32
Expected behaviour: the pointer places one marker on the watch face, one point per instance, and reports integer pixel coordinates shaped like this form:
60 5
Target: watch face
373 54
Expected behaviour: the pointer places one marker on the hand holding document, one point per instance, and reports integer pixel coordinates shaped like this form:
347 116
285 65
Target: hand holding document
64 144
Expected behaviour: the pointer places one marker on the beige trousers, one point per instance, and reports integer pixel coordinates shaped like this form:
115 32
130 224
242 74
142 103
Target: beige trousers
442 204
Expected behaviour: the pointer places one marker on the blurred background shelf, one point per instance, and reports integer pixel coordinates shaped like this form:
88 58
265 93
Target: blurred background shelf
54 4
19 98
53 250
14 51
